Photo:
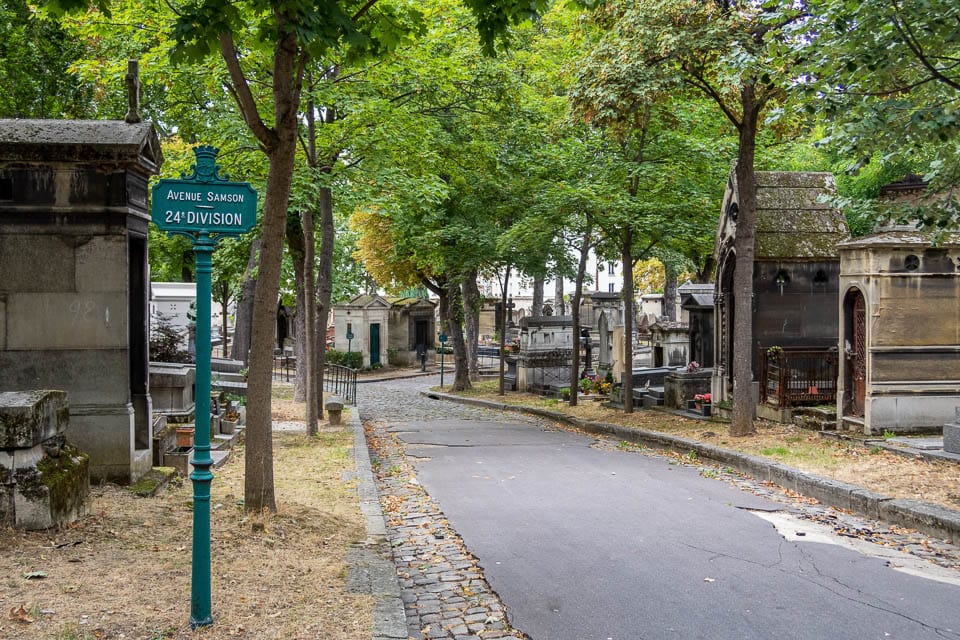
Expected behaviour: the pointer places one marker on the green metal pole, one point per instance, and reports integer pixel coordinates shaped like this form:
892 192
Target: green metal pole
200 615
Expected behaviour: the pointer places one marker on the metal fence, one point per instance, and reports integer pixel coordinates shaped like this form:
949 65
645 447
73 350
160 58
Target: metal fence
794 377
284 366
342 381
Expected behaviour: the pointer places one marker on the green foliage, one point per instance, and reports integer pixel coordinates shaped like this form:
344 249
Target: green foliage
354 361
166 343
392 358
885 76
35 55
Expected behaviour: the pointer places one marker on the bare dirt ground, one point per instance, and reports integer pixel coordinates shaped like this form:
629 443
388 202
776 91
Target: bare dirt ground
849 461
124 570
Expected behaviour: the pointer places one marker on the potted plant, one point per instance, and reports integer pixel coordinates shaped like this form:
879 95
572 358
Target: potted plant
586 384
228 424
700 400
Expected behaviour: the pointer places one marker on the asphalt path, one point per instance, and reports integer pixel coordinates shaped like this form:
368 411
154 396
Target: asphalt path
583 542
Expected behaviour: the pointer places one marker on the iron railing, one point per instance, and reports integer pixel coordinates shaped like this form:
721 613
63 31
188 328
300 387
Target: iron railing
793 377
342 381
284 366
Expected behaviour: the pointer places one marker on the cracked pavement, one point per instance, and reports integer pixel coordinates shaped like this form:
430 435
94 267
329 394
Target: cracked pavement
502 522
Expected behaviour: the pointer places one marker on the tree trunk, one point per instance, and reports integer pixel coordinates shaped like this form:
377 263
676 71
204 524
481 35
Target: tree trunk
324 286
503 330
461 379
472 302
443 309
558 297
222 287
743 405
259 492
309 311
670 291
537 308
575 313
243 325
295 247
626 256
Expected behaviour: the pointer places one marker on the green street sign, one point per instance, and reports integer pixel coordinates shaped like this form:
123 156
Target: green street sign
204 202
443 337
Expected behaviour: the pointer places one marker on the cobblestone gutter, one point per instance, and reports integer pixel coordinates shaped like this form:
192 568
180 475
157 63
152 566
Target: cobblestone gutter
371 569
443 590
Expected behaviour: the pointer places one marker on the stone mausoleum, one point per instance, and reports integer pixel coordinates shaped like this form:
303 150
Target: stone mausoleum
900 331
73 279
795 275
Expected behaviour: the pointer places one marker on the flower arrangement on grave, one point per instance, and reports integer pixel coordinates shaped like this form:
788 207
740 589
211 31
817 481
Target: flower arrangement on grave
514 345
596 384
693 367
702 398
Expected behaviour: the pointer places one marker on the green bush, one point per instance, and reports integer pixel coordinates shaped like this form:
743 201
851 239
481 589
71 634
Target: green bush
166 343
392 357
340 357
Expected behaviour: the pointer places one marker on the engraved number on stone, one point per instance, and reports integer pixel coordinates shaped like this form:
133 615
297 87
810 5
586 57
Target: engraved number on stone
81 309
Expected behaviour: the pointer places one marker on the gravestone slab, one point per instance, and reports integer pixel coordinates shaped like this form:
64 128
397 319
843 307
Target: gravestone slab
951 434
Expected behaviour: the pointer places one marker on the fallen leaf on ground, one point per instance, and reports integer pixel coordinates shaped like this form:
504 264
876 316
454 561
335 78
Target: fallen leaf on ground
20 614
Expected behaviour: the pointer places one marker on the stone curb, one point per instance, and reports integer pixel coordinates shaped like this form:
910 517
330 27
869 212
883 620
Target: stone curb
370 564
931 519
403 376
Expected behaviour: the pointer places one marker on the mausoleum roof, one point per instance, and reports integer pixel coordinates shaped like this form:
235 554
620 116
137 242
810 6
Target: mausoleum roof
794 219
902 237
366 300
80 141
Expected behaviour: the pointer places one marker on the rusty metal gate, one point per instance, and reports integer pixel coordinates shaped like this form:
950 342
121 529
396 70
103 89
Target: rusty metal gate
859 360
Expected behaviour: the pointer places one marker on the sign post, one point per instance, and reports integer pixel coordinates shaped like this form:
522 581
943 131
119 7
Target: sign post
204 207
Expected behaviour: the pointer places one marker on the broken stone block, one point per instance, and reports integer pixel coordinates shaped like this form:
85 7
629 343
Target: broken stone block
44 481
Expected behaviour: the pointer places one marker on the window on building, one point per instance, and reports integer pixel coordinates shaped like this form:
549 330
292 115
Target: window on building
610 287
610 268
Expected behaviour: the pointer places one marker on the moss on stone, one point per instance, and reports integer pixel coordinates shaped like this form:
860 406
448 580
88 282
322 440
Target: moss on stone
152 481
66 480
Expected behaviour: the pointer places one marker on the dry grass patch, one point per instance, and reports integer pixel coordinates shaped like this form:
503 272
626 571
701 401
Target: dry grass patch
124 571
894 475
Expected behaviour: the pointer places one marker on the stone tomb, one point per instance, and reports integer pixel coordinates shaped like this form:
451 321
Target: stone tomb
696 303
546 351
671 341
413 329
366 318
899 322
44 482
795 273
951 434
74 286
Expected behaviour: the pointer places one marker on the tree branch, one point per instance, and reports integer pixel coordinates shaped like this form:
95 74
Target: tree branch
691 78
909 39
363 10
241 93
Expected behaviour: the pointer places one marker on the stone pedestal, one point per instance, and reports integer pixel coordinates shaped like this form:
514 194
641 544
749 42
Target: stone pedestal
951 434
44 482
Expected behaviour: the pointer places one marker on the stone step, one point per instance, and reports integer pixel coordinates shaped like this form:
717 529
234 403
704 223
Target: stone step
224 441
650 401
